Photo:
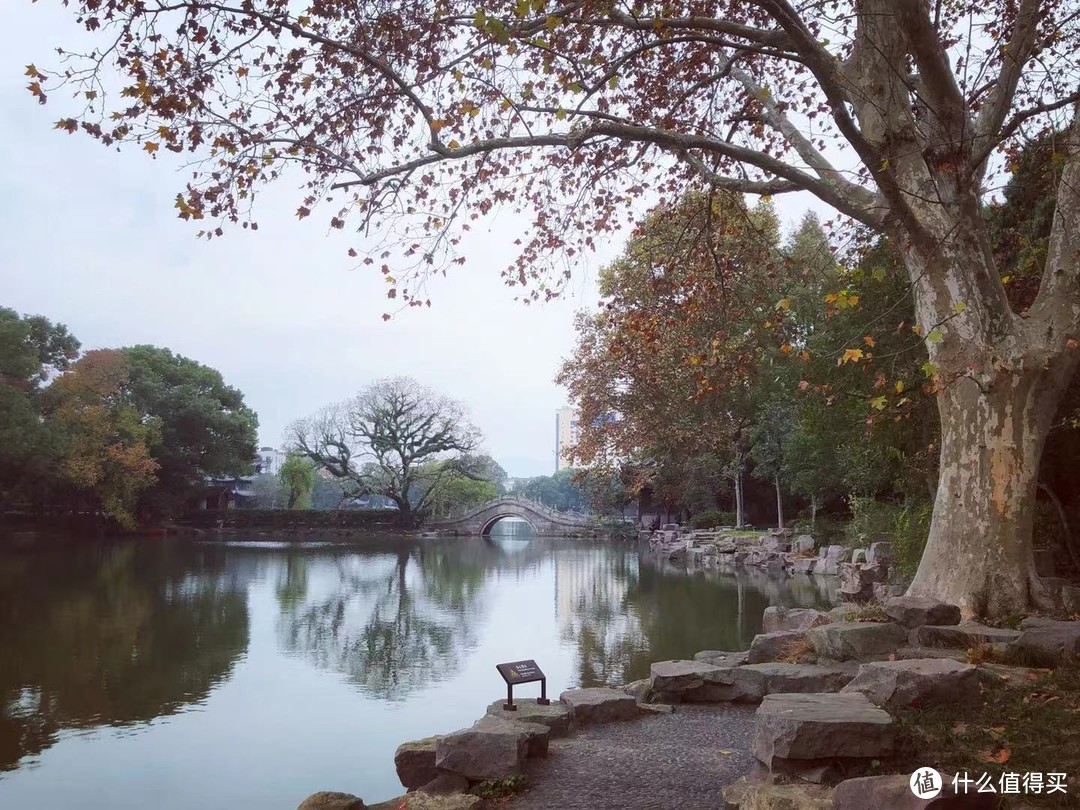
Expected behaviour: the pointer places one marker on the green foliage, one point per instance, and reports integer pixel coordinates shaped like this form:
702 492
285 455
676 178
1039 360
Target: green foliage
501 788
906 526
557 491
711 518
297 479
206 429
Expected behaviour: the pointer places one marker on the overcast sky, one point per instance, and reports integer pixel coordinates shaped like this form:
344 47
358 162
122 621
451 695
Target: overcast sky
91 239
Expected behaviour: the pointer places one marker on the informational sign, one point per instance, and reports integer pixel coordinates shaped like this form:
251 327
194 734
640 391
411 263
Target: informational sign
520 672
517 672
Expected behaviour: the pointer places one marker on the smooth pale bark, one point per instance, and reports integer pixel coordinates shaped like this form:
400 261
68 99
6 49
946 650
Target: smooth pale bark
779 505
739 514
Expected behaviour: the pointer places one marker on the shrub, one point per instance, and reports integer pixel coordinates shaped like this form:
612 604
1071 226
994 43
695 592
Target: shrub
905 525
711 518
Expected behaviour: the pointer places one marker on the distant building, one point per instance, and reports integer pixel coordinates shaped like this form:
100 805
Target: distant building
268 460
566 435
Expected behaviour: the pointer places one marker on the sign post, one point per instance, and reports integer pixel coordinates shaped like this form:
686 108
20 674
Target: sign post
522 672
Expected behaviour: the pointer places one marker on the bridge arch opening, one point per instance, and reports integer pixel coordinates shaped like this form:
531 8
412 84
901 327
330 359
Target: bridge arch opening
507 518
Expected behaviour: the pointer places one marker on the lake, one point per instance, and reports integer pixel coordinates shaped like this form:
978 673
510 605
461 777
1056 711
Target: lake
177 674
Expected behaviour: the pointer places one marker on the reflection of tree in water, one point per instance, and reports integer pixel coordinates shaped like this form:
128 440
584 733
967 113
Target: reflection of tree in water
621 614
392 623
110 635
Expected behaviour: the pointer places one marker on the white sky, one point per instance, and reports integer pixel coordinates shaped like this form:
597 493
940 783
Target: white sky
91 239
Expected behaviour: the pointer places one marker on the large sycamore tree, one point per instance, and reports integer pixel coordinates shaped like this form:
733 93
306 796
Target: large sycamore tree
413 117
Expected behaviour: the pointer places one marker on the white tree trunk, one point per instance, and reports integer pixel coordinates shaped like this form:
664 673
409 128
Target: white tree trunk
739 515
979 553
779 505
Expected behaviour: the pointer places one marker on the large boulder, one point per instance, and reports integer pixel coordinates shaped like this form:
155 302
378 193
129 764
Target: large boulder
803 544
415 762
795 729
445 784
422 800
845 641
599 705
964 635
829 559
697 682
915 611
879 553
777 617
857 581
894 792
804 565
556 716
917 682
484 753
774 646
536 735
331 800
1047 642
780 677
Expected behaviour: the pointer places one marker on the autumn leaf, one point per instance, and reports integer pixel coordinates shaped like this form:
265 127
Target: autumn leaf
899 386
302 212
850 356
878 403
787 348
150 147
784 304
934 337
869 341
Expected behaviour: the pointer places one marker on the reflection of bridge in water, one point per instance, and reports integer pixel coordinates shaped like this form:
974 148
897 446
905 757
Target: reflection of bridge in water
544 520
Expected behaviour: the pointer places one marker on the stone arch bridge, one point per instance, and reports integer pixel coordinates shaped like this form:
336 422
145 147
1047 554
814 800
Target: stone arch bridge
544 520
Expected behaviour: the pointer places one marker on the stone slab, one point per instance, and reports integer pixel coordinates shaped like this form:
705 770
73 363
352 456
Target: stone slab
556 716
773 646
917 682
915 611
599 705
964 635
856 640
488 753
415 762
536 735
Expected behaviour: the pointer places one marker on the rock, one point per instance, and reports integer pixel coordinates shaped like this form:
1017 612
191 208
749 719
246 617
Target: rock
536 735
779 677
915 611
598 705
887 590
778 618
803 728
804 544
555 716
964 635
858 556
917 682
697 682
638 690
1047 642
773 646
751 795
804 565
857 581
331 800
415 762
721 658
444 784
451 801
856 640
907 653
657 708
829 559
1070 598
894 792
489 753
879 553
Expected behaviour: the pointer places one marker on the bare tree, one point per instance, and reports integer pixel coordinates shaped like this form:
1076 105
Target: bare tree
381 442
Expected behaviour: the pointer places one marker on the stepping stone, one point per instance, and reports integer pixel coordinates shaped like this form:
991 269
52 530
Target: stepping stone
599 705
772 646
964 635
428 801
415 762
800 729
555 716
697 682
780 677
856 640
536 735
484 753
1047 642
915 611
917 682
781 618
331 800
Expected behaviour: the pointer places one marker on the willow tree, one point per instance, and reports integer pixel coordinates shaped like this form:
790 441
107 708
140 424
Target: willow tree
413 118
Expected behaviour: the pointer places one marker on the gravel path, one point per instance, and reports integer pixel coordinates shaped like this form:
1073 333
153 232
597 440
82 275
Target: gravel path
662 762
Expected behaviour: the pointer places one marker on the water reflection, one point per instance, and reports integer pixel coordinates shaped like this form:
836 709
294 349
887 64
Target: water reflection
110 636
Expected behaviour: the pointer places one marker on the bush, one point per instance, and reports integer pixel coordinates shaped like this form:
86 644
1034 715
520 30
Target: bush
711 518
906 526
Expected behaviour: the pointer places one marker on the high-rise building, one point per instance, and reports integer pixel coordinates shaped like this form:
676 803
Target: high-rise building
566 435
269 460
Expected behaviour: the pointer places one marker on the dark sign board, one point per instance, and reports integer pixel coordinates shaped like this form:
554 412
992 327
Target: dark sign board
520 672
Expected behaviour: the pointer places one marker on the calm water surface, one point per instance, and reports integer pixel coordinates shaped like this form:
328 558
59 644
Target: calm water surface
178 675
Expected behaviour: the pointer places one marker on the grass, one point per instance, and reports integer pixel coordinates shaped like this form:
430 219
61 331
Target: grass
797 652
1023 724
872 612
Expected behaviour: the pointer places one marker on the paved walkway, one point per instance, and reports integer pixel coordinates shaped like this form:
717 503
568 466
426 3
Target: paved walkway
661 762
